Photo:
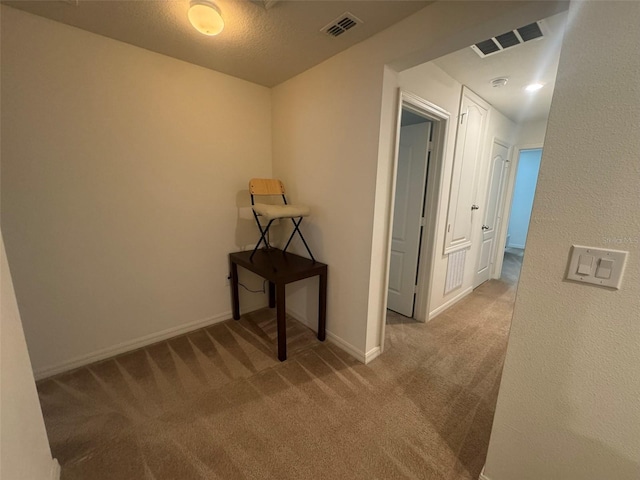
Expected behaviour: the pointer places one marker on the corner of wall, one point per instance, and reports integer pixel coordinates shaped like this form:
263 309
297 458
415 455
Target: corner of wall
381 213
352 350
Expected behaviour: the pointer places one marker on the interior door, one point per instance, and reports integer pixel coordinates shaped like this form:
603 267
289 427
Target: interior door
407 217
491 219
470 138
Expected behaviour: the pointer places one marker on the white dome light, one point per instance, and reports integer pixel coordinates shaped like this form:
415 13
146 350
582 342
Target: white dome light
205 17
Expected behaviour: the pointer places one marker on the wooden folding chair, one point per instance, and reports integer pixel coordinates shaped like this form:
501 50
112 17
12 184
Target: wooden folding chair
270 212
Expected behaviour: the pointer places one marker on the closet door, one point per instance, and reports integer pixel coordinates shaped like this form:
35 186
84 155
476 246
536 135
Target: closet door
472 125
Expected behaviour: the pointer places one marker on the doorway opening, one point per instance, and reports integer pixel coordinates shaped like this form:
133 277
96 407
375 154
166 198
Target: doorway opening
473 192
414 150
518 204
420 140
524 191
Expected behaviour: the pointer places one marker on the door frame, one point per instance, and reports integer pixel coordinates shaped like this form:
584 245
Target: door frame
500 213
440 119
506 205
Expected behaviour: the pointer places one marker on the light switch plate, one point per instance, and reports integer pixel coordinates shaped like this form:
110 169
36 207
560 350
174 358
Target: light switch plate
618 259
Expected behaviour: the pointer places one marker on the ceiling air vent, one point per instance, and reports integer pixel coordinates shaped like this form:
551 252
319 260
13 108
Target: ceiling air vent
529 32
340 25
266 4
509 39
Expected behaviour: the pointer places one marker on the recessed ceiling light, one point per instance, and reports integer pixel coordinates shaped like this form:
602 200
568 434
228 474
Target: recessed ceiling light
499 82
534 87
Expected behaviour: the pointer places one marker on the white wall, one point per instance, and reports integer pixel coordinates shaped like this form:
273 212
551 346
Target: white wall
568 405
531 133
523 193
116 211
330 145
122 170
24 448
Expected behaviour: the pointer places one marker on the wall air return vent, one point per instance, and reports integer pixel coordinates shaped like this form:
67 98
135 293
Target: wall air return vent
510 39
340 25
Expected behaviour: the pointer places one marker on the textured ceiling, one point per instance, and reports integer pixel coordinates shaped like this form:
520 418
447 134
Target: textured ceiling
534 61
262 45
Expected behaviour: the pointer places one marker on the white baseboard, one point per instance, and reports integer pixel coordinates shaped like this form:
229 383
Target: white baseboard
350 349
130 345
55 470
372 354
302 319
339 342
450 303
513 245
483 476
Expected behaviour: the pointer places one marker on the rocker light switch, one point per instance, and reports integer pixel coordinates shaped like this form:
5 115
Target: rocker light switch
585 264
597 266
604 269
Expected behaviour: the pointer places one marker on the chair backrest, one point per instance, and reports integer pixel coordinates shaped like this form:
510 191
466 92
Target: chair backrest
266 186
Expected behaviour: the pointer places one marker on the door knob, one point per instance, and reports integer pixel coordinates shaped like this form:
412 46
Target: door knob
486 227
474 207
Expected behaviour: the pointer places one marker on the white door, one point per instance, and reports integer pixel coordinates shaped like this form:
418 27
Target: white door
407 216
472 125
491 218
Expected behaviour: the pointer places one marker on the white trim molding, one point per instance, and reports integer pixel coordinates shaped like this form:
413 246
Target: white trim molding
356 353
450 303
372 354
152 338
351 350
130 345
301 318
483 476
55 470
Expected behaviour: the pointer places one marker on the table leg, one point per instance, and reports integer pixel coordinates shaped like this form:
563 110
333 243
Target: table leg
272 294
282 322
235 300
322 306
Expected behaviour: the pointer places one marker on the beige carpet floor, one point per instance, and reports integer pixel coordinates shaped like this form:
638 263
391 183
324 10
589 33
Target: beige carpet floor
216 404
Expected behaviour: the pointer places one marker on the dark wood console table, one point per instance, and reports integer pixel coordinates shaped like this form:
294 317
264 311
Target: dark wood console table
278 269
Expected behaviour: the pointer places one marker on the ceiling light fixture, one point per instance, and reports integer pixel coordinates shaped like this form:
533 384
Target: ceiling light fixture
534 87
499 82
205 17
